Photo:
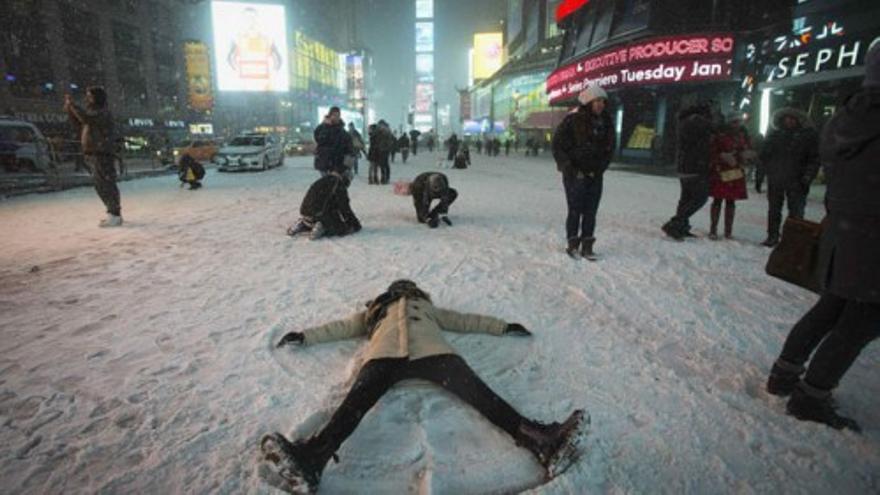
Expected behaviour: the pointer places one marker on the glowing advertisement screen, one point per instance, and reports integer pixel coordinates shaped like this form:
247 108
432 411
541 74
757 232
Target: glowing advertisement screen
424 9
424 37
250 47
425 67
488 53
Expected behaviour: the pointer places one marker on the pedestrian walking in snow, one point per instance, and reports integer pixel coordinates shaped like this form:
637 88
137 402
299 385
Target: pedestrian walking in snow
582 147
326 209
394 147
381 143
452 145
190 172
404 330
403 146
727 178
507 147
430 142
693 156
425 189
479 144
414 141
496 146
333 144
357 143
789 159
847 317
98 137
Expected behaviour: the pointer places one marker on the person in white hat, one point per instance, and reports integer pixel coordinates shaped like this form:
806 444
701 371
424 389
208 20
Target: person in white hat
582 147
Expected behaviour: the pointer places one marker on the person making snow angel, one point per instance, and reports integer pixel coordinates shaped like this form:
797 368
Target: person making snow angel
326 209
403 328
582 147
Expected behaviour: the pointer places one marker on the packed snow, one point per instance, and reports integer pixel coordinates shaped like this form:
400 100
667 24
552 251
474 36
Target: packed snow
142 359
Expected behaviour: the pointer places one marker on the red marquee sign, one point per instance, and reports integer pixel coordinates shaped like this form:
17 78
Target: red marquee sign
568 7
663 60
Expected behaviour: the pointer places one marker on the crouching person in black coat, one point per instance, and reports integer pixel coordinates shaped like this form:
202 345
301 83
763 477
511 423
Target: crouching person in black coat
191 172
425 189
326 210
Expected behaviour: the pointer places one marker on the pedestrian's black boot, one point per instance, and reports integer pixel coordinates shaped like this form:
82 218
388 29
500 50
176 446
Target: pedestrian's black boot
433 221
587 248
298 463
555 444
783 378
672 232
573 246
772 240
808 403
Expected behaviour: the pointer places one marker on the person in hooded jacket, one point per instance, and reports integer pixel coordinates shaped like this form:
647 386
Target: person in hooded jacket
693 155
381 144
403 146
414 141
333 144
582 147
426 188
190 171
404 330
847 317
789 159
326 209
453 145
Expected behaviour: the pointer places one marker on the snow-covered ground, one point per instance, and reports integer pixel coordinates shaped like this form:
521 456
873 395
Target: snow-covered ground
141 359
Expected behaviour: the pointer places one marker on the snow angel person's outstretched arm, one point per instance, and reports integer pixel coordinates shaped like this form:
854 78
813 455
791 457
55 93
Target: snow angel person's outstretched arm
348 328
454 321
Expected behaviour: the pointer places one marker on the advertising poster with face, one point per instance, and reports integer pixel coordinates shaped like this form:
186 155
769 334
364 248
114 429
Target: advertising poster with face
250 47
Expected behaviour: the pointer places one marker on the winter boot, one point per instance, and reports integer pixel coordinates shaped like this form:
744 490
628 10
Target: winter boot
433 221
572 250
729 214
299 464
555 445
587 248
808 403
300 227
783 378
318 231
111 221
772 240
672 232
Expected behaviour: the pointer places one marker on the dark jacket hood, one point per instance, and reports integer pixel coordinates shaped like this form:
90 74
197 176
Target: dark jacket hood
854 127
800 115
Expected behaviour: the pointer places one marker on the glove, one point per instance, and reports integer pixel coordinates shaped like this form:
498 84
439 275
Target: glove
517 330
292 338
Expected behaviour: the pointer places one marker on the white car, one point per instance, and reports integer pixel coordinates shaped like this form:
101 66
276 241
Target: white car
23 147
250 152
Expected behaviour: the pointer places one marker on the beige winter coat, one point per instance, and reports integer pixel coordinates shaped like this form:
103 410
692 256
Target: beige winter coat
411 328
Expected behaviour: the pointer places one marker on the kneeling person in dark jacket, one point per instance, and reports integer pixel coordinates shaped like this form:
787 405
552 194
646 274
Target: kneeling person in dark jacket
326 210
191 172
425 189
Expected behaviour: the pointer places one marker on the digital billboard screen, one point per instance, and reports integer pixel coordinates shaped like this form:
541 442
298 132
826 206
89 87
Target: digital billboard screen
425 67
424 97
250 47
424 9
488 51
197 61
424 37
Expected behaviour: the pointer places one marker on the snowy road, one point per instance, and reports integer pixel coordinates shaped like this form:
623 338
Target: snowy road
140 360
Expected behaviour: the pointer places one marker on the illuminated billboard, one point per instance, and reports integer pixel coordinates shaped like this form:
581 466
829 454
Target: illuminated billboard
424 37
197 61
424 97
425 67
488 51
250 47
424 9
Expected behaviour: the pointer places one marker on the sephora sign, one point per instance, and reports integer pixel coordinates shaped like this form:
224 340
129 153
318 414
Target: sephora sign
663 60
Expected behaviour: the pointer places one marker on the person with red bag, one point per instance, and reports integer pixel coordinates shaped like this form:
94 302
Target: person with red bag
727 176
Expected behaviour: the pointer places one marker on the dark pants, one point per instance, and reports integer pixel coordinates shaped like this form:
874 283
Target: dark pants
423 208
415 148
377 376
374 172
694 195
796 195
385 169
837 329
583 196
103 170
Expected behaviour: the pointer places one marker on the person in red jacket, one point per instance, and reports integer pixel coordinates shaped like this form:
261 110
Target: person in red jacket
727 177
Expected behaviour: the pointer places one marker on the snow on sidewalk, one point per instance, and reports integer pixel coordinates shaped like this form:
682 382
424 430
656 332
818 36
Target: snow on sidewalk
141 359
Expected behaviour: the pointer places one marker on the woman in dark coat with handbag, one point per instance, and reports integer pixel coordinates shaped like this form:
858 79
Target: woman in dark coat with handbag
847 317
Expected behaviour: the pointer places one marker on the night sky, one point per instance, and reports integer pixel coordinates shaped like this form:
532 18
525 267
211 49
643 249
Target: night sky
387 27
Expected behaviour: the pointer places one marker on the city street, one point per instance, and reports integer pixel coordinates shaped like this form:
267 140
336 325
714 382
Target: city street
142 359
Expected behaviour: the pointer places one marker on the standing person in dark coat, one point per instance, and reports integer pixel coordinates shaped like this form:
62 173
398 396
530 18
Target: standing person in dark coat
394 147
507 147
582 147
453 147
357 142
428 187
381 144
496 146
403 146
98 137
414 141
789 159
847 317
326 209
431 141
479 144
405 341
693 156
333 144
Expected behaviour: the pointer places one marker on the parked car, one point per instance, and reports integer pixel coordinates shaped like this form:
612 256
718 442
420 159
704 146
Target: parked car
23 147
253 151
199 149
300 147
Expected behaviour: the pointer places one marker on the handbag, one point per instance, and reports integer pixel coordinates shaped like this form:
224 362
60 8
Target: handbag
732 174
796 258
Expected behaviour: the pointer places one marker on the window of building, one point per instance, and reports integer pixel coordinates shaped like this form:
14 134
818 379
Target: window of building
129 55
23 40
603 11
585 34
